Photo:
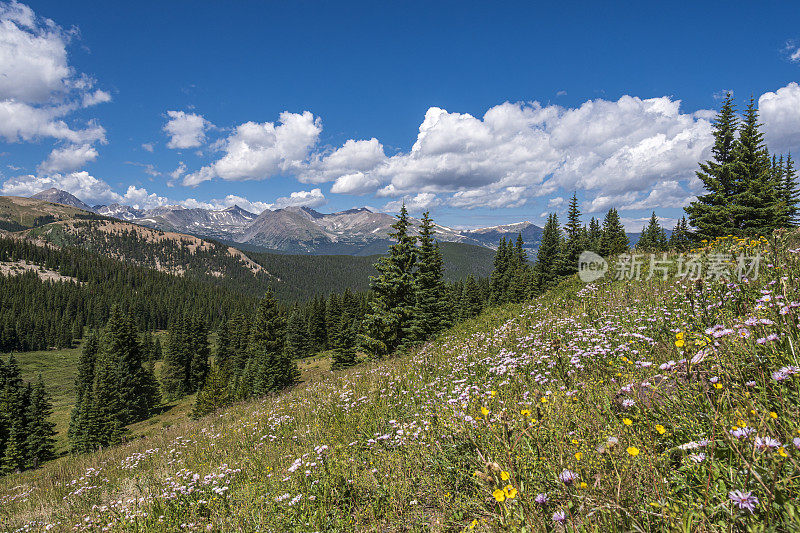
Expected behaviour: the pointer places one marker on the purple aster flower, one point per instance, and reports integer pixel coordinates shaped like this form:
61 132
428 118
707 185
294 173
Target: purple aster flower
628 403
567 477
763 443
560 516
796 442
742 433
541 498
743 500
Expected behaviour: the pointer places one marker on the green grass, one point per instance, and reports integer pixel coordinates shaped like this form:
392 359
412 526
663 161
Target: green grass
465 432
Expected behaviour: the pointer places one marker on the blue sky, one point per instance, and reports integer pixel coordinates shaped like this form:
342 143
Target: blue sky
483 113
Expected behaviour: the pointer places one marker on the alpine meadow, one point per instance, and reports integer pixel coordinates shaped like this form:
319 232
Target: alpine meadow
355 267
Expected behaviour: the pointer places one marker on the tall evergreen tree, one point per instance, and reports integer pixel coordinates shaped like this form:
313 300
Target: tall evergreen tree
40 442
711 213
576 238
791 192
756 199
271 368
595 235
388 322
296 328
80 425
499 278
177 359
344 344
548 258
429 311
680 238
614 240
653 237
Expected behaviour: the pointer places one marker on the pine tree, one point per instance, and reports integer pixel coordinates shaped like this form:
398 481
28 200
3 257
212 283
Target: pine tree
176 360
791 192
40 442
429 311
756 198
215 393
120 345
471 303
680 238
711 213
614 240
296 328
653 238
499 278
344 345
519 276
271 368
79 432
595 235
548 258
386 326
223 355
576 238
199 352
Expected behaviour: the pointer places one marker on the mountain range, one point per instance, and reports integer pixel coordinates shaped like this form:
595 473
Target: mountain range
292 229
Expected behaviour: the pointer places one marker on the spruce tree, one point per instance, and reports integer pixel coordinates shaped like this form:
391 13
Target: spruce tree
680 238
756 199
40 442
595 235
344 345
576 238
388 322
711 214
791 192
548 258
296 328
199 352
499 278
215 393
429 311
614 240
653 237
223 354
176 360
271 368
79 431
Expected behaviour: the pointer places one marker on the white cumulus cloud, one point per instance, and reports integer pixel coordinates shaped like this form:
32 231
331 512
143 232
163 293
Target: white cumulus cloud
38 87
312 198
68 158
780 113
415 204
81 184
256 151
186 130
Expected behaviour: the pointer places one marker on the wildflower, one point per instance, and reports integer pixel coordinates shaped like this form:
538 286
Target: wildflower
661 429
633 451
742 432
627 421
544 399
560 516
743 500
796 443
567 477
773 415
505 475
583 485
510 492
697 457
541 498
484 411
628 403
782 452
763 443
525 412
499 495
578 456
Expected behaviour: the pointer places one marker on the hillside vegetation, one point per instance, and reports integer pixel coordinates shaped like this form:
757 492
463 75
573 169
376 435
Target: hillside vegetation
640 405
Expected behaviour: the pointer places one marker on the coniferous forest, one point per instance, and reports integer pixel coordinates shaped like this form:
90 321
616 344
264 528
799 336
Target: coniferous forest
113 307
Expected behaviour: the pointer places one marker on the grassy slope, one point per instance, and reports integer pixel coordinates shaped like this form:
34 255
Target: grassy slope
511 399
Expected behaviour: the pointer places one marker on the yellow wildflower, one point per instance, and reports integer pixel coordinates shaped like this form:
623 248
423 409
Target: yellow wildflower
484 411
661 429
504 475
583 484
782 452
544 399
627 421
773 415
525 412
499 495
510 492
633 451
578 456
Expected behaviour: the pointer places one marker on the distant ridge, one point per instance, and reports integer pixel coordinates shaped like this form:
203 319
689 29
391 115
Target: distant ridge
357 231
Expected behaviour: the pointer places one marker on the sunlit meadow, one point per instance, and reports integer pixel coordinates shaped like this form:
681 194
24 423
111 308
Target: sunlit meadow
633 405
